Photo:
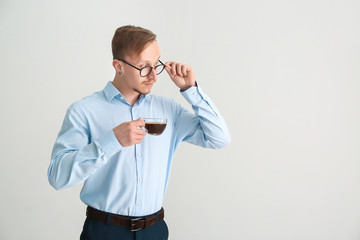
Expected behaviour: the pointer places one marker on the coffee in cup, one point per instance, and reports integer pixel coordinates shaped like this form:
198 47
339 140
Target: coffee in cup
155 126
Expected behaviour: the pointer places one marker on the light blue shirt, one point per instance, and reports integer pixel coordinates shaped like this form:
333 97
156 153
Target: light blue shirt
130 180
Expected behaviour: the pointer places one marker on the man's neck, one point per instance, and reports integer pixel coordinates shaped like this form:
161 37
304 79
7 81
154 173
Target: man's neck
131 96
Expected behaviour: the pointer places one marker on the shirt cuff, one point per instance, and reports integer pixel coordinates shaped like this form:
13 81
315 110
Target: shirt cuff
109 144
193 95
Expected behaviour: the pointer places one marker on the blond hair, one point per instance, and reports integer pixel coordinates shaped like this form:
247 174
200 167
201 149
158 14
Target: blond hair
130 40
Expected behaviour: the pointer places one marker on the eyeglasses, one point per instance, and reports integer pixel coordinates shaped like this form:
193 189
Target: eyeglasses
145 71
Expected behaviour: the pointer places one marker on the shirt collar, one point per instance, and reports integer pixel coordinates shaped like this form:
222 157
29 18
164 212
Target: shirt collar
111 91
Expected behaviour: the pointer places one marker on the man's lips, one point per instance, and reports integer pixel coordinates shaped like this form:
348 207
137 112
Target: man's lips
149 84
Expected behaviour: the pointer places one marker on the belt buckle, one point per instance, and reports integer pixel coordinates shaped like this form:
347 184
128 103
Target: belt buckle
133 223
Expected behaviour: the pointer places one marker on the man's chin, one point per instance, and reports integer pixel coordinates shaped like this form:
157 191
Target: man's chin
144 91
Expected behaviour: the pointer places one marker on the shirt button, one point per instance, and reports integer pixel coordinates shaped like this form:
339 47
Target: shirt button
139 155
139 204
140 179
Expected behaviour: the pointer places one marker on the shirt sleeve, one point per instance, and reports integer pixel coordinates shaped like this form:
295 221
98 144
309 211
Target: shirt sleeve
205 127
74 158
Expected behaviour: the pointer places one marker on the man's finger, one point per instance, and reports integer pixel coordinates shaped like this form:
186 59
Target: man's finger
170 66
168 70
171 72
140 132
139 122
178 70
184 70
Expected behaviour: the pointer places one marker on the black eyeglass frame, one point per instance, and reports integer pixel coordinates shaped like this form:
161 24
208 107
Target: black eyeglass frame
140 69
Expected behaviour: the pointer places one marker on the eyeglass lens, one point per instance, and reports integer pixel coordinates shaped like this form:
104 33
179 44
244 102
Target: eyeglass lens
147 70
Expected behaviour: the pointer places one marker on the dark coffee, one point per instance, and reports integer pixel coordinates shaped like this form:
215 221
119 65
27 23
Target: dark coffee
155 128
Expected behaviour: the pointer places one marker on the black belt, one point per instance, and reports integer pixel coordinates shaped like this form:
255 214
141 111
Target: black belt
134 224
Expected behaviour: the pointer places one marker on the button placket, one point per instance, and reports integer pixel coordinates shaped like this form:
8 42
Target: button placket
139 171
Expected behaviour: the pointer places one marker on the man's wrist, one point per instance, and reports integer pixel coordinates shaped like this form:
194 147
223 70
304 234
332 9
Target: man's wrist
187 87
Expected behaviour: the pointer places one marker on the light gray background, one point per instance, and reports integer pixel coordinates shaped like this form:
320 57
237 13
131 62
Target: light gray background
284 74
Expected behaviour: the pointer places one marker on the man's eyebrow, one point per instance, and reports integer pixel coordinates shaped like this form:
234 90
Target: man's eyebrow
148 61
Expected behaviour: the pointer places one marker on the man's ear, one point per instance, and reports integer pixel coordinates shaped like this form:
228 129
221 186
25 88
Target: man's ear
117 65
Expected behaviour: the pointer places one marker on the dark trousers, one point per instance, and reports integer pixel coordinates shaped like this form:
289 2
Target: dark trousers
97 230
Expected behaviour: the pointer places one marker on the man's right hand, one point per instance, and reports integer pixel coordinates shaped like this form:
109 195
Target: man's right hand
129 133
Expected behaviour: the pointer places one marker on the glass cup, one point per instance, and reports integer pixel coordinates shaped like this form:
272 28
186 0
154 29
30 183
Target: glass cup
155 126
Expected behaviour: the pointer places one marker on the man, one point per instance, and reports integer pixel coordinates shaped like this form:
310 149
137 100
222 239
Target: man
103 143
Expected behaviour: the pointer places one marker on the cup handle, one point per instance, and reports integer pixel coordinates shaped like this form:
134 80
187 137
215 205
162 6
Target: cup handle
144 128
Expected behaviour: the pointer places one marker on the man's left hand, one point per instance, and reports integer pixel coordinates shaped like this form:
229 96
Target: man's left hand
182 75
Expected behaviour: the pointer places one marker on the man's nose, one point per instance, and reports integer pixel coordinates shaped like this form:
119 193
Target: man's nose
153 74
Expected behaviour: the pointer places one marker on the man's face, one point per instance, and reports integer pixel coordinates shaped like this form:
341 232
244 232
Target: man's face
148 57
